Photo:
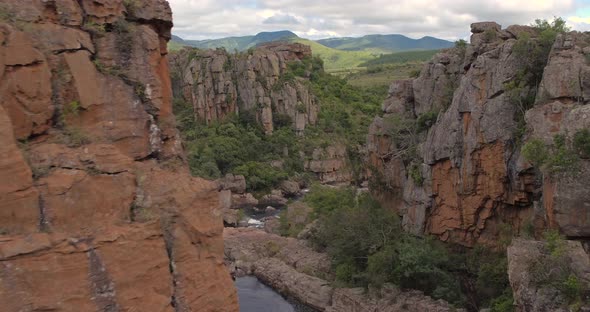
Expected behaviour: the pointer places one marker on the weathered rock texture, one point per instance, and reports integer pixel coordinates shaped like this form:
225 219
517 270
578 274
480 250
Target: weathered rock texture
562 109
532 296
97 210
468 182
330 164
292 268
219 84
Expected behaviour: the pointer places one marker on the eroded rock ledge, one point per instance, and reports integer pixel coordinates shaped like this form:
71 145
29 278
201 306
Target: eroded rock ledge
293 269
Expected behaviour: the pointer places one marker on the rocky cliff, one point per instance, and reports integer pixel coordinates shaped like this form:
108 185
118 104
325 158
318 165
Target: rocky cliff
447 152
98 211
259 82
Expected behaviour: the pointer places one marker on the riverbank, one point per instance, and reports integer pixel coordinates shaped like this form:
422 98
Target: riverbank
293 269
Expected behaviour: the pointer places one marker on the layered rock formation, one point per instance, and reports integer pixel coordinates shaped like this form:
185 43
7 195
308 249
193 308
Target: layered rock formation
330 164
468 181
292 268
258 83
97 210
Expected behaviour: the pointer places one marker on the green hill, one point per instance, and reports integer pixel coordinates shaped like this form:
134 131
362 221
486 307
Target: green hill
400 57
391 43
237 43
336 61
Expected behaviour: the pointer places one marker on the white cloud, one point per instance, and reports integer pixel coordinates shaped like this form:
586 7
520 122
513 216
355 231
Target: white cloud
450 19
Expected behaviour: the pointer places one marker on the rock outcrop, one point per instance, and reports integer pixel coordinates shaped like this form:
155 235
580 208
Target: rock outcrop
530 263
466 181
562 109
292 268
98 211
388 299
258 83
330 164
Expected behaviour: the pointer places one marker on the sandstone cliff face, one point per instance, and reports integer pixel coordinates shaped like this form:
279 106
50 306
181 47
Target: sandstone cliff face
472 181
219 84
97 210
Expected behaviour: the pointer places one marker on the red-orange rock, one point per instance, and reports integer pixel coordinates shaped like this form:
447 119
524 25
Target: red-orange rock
122 234
25 86
19 201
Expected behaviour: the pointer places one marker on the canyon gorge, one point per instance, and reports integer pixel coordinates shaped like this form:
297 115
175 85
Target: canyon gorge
130 171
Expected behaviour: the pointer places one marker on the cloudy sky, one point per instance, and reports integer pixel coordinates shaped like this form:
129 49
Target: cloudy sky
448 19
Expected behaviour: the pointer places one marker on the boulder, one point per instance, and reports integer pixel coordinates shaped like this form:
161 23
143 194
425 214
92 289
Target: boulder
275 199
234 183
481 27
310 290
290 188
240 201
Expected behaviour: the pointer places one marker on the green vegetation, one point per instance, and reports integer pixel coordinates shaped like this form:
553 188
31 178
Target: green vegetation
400 58
72 109
175 46
582 143
131 6
369 248
336 61
553 271
386 68
74 137
555 158
6 14
416 174
532 55
94 28
125 38
239 145
388 43
383 75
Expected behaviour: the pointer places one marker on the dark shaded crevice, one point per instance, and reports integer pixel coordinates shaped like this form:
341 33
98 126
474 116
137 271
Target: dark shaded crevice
495 95
102 287
17 66
43 218
81 48
166 224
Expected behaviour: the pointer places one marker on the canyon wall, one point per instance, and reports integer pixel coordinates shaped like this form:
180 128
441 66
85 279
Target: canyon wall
257 82
468 182
98 211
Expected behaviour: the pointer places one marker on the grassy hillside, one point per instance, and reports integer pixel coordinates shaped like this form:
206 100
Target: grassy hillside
336 61
175 46
386 68
391 43
383 75
401 57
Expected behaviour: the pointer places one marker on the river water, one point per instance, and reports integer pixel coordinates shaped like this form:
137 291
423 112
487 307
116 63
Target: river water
254 296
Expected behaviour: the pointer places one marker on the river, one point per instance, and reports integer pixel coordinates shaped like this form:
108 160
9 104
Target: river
254 296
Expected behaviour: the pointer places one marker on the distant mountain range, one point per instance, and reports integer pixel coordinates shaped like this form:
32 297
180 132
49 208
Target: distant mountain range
393 43
239 43
373 43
